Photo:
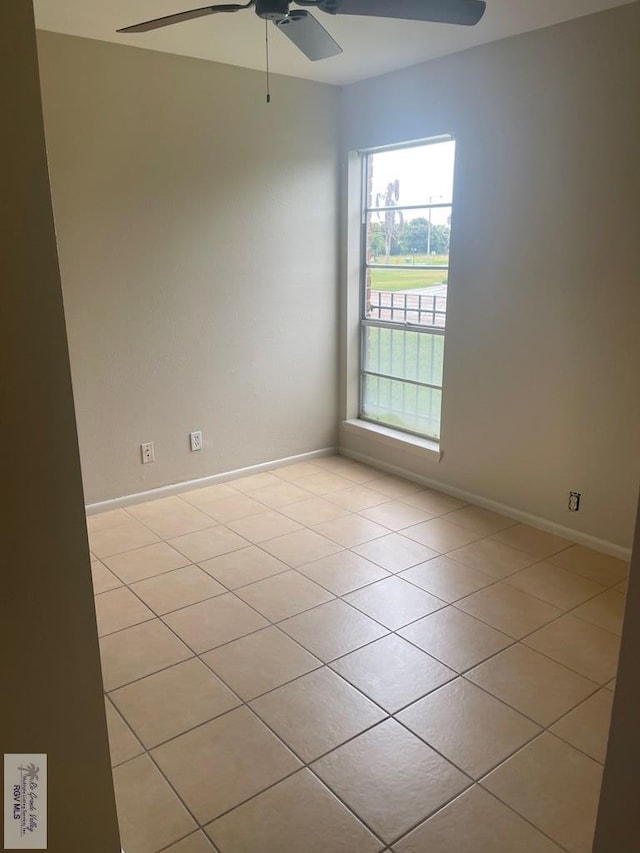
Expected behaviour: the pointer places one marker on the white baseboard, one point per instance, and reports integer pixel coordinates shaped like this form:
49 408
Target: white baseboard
176 488
511 512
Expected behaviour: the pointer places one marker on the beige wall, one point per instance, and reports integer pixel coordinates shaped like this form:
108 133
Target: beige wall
51 685
542 387
198 250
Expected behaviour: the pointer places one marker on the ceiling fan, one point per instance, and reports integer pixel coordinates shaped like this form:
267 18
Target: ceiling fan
310 36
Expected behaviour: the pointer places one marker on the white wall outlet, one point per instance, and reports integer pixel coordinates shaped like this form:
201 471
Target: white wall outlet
195 440
574 501
147 452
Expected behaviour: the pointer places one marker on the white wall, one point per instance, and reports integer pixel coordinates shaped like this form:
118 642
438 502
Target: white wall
52 700
198 250
542 386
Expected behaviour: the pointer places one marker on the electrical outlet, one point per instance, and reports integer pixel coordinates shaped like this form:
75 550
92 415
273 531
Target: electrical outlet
147 452
574 501
195 439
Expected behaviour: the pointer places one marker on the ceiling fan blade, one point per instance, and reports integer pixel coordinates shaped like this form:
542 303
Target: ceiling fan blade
467 12
308 35
168 20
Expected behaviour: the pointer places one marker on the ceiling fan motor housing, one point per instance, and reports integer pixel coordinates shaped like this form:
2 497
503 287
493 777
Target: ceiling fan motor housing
329 6
272 10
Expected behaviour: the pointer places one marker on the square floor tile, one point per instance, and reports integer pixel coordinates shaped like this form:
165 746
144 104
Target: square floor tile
323 482
587 726
284 595
297 814
390 778
176 589
395 487
102 579
396 515
395 552
146 562
446 579
195 843
539 688
170 702
455 638
119 609
209 494
553 786
357 472
292 473
205 544
250 484
513 612
232 508
357 498
577 644
280 494
351 530
475 822
332 630
598 567
393 602
213 622
263 526
531 540
244 566
343 572
122 537
441 535
433 502
606 611
304 546
170 516
480 520
255 664
149 813
139 651
222 763
123 744
492 558
553 585
104 520
316 713
468 726
392 672
313 511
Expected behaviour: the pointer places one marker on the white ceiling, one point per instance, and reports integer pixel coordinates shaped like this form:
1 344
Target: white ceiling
371 46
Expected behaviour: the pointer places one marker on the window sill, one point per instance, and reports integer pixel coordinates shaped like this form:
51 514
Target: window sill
395 438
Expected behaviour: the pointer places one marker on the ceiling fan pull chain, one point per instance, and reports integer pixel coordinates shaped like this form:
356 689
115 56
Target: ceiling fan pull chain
266 32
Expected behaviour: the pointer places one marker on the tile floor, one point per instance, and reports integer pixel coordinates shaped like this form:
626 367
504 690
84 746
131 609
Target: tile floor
328 659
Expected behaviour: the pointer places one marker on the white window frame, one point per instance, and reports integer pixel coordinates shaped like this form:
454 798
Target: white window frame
356 419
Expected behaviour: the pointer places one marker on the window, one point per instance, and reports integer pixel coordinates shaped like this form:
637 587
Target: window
406 222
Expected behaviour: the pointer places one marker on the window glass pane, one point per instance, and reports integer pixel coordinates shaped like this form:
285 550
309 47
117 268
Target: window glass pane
405 355
405 238
401 405
418 175
426 307
405 277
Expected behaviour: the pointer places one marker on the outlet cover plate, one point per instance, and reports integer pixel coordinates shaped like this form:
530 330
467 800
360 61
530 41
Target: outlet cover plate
147 452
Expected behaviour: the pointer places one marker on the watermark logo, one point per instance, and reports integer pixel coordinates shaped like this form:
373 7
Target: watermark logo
30 771
25 802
